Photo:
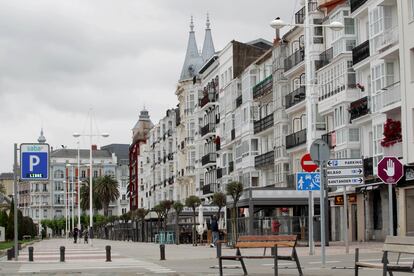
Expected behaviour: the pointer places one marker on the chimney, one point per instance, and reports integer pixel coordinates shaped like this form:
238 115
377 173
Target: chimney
94 147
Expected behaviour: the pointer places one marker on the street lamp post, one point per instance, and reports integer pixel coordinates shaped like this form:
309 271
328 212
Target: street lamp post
311 107
90 135
79 227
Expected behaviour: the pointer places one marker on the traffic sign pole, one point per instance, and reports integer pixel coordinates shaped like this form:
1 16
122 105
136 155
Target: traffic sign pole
16 248
322 211
311 212
346 222
390 210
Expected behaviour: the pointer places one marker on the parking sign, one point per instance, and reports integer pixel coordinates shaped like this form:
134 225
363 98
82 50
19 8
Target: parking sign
34 162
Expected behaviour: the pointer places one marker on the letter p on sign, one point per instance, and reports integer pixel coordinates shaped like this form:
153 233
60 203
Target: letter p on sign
33 161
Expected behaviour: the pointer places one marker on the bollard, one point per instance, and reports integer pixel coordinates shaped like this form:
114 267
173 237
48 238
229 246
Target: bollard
62 253
162 252
108 253
218 249
30 253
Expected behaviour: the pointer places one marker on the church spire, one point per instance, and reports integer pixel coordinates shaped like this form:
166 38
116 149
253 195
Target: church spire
193 61
208 46
41 138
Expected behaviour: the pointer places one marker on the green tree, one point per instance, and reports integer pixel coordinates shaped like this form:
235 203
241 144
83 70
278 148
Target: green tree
178 207
234 190
220 200
2 189
106 190
84 196
140 215
166 207
3 218
159 210
193 202
10 222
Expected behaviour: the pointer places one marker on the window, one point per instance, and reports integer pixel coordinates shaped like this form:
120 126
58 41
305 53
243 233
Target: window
95 174
83 174
354 135
349 25
377 138
59 174
317 32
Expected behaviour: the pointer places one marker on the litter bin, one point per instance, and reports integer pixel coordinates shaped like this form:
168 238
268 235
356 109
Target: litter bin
317 228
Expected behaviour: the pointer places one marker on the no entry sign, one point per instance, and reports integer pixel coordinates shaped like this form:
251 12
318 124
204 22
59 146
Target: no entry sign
307 163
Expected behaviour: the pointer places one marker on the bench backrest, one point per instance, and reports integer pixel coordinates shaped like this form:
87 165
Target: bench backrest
399 244
289 240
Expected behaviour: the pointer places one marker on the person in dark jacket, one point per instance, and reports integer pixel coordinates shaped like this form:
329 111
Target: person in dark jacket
215 231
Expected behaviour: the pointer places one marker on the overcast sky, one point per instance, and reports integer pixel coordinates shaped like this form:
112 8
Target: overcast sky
59 59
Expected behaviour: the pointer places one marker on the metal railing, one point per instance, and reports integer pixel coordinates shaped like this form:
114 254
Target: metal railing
263 123
295 97
324 58
208 158
263 87
330 139
296 139
264 159
355 4
207 129
294 59
359 108
233 134
360 52
300 15
239 101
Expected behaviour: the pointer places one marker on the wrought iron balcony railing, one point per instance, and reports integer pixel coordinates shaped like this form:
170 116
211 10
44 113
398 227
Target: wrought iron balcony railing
263 124
296 139
294 59
264 87
208 158
360 52
359 108
265 159
295 97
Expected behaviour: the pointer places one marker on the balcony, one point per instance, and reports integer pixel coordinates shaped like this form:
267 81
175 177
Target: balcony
388 96
218 146
207 129
330 139
263 124
209 98
360 52
294 59
239 101
296 139
385 40
266 159
231 166
264 87
359 108
355 4
233 134
210 188
295 97
208 158
324 58
124 201
300 15
291 180
394 149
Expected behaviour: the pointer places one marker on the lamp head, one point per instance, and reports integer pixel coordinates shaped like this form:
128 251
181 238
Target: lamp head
336 26
76 135
105 135
277 23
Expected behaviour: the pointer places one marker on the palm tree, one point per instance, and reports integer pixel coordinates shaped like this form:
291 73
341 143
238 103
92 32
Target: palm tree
219 199
235 190
140 214
193 202
84 197
178 207
107 191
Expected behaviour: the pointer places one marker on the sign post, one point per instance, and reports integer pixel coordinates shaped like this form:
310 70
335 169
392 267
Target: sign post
309 181
345 172
320 152
390 171
308 166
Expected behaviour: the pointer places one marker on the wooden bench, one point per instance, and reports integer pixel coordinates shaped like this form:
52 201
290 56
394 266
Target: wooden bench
271 241
399 245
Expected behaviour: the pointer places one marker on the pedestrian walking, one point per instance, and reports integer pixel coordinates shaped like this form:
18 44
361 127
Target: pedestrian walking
215 231
75 235
85 236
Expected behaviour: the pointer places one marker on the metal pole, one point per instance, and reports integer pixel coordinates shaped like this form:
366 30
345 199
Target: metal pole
311 211
16 245
322 211
390 210
66 208
346 222
90 183
79 214
72 190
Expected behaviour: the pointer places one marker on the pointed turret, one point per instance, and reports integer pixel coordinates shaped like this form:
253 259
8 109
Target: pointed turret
193 61
42 138
208 46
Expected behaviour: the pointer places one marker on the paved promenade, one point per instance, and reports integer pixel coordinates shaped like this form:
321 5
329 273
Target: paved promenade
129 258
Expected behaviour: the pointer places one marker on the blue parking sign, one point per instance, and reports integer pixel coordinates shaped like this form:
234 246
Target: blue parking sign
308 181
34 162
